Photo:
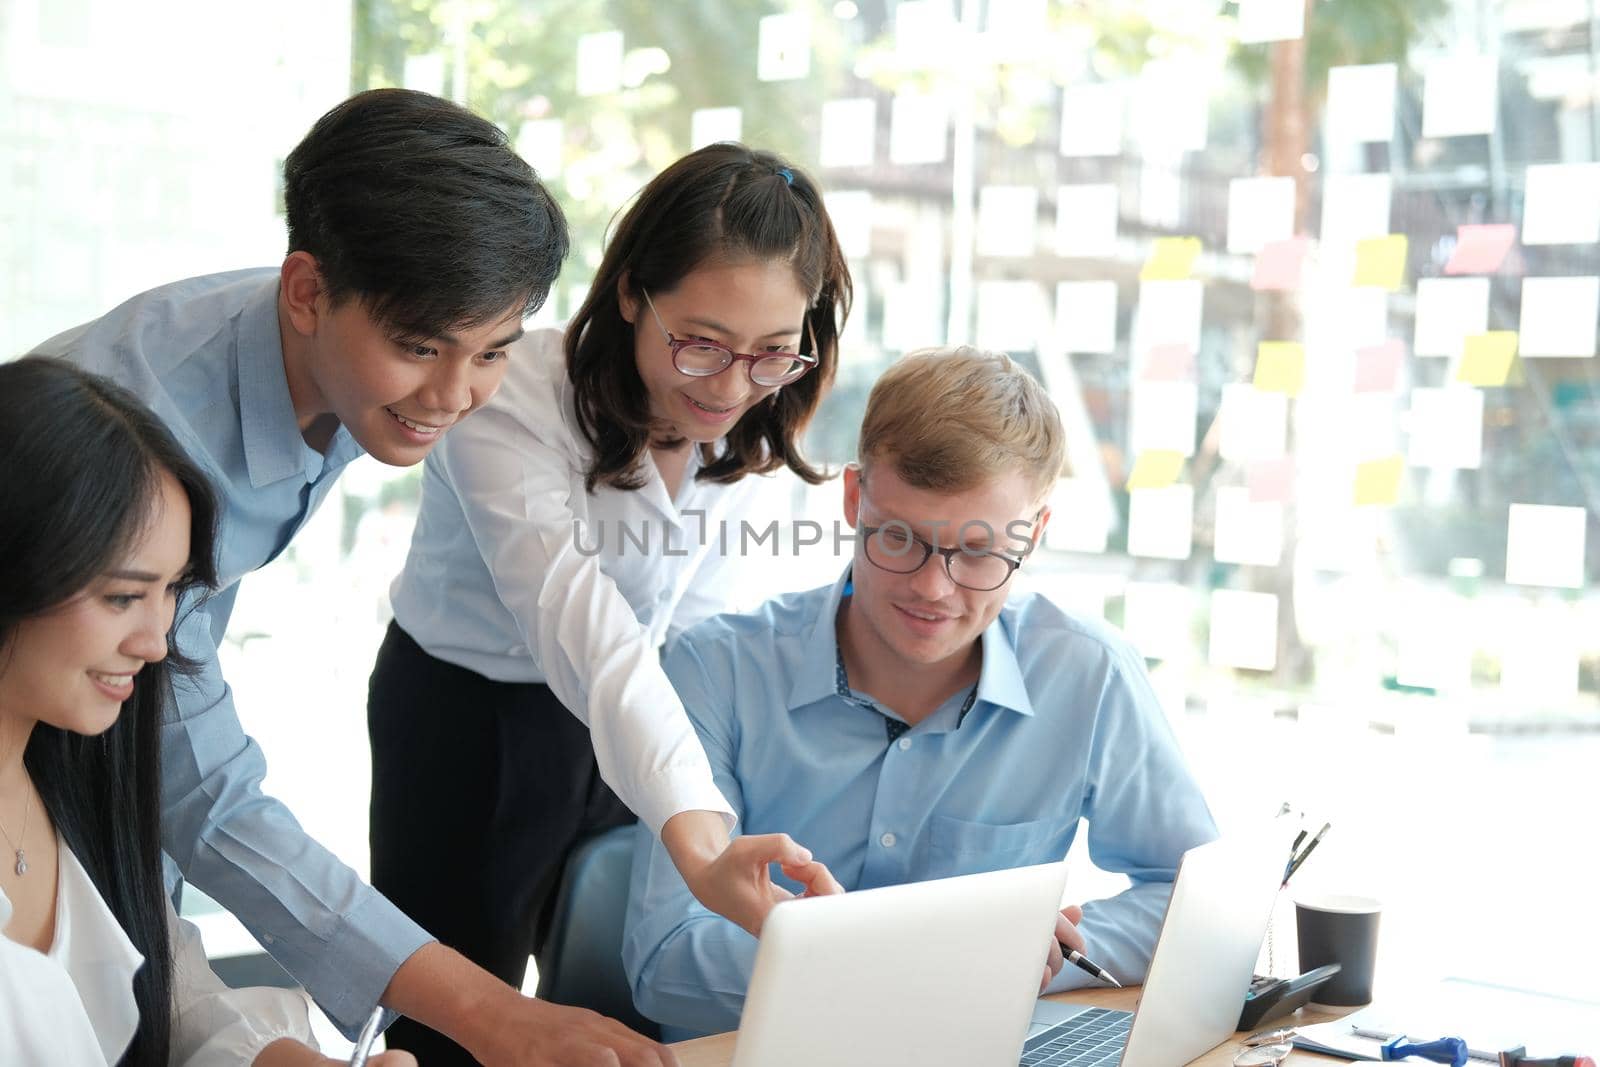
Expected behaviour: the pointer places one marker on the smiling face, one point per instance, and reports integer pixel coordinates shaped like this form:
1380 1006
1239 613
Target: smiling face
900 622
73 666
749 306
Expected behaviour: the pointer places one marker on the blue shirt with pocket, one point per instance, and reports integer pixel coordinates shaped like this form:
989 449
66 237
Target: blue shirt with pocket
1062 726
206 355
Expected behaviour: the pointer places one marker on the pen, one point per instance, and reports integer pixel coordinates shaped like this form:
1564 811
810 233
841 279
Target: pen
1300 860
369 1034
1082 962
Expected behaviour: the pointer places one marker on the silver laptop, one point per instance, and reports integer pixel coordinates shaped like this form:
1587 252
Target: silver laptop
946 973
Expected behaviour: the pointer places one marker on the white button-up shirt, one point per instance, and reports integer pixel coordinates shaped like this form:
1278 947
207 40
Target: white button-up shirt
520 574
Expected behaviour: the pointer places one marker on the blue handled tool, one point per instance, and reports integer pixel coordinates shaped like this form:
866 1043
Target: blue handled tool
1451 1050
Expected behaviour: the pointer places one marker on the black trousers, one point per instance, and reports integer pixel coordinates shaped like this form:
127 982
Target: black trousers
480 789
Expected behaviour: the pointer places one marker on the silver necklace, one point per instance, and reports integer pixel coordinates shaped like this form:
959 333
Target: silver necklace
22 861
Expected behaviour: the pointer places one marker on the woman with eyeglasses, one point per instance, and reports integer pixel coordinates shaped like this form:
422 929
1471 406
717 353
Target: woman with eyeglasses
565 533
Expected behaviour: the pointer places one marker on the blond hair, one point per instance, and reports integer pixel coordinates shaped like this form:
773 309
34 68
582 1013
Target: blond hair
950 418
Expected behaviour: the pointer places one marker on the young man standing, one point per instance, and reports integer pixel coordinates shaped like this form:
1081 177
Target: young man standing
914 721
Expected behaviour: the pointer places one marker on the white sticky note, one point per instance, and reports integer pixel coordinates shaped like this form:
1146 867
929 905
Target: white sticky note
708 125
1017 29
1161 522
1082 515
1446 428
1011 315
540 143
912 314
1086 220
1460 96
849 132
851 212
1260 210
918 125
783 47
1008 220
1255 423
1156 617
1168 313
1271 20
1171 105
924 32
1361 103
424 73
1545 545
1091 119
1086 317
1162 418
1355 207
1244 630
599 63
1558 317
1561 204
1449 310
1248 533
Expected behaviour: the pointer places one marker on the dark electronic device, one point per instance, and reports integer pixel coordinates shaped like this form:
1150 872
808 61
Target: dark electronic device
1271 998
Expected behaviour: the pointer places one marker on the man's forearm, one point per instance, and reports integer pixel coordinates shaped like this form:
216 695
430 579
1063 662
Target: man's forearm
442 989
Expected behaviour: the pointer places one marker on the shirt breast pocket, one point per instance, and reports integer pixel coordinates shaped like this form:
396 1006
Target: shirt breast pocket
960 846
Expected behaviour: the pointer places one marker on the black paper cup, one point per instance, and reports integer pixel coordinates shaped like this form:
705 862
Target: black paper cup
1343 930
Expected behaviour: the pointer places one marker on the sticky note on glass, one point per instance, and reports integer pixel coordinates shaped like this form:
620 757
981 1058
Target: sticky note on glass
1270 481
1460 96
1446 428
1086 317
1481 249
849 132
783 47
708 125
1155 470
1091 119
1545 545
1361 103
1558 317
599 63
1247 531
1255 424
1561 204
1172 259
540 142
1082 515
1244 630
1280 367
1487 358
911 315
1449 310
1007 220
1280 264
1167 363
1168 313
1162 418
1086 220
1355 206
1271 20
1378 367
1161 522
1012 315
919 125
1171 105
1381 261
1378 482
851 212
1156 618
1260 210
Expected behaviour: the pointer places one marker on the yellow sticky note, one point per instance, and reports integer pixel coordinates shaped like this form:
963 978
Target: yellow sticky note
1155 470
1488 358
1172 259
1280 367
1381 261
1378 482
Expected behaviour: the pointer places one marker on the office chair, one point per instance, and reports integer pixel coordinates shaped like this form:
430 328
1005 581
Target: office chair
581 964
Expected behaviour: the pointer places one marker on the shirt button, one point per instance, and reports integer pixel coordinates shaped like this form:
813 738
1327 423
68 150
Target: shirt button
887 840
663 596
267 939
905 743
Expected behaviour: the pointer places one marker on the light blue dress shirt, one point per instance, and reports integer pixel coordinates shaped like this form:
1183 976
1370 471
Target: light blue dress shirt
205 354
1064 726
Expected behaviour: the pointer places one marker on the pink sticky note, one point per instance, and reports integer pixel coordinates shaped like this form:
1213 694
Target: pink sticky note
1378 366
1271 480
1481 249
1168 363
1280 263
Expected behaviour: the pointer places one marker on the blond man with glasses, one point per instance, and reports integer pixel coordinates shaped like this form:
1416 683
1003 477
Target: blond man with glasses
922 717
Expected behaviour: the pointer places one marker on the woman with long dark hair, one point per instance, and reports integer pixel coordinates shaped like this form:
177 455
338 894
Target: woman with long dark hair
584 516
106 523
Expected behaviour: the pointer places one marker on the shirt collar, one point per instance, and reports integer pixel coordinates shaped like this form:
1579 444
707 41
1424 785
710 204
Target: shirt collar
999 679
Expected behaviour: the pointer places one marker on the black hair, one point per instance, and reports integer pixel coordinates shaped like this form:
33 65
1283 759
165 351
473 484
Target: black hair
81 462
729 202
422 211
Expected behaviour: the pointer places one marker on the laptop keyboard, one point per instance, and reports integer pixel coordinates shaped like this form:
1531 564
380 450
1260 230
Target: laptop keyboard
1093 1039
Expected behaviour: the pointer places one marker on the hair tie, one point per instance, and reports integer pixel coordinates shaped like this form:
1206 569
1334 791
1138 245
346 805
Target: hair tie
787 175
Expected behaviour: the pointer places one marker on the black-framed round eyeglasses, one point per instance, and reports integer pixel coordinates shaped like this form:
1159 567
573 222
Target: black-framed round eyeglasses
699 357
894 548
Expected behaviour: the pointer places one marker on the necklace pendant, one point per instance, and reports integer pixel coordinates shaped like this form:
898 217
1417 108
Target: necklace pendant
22 864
